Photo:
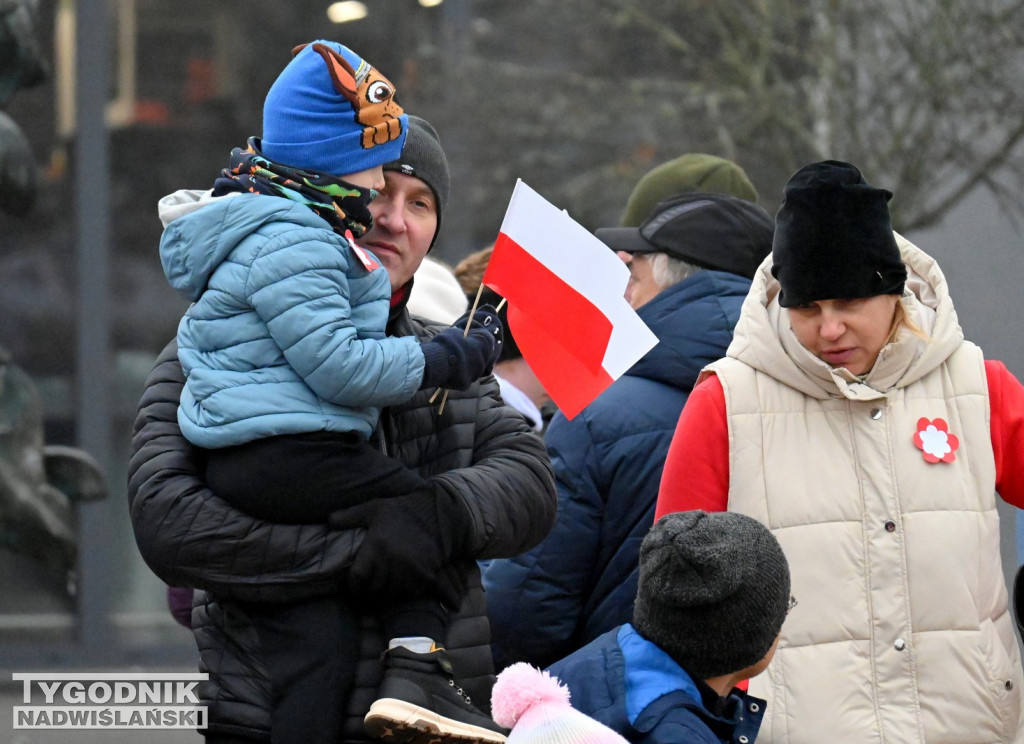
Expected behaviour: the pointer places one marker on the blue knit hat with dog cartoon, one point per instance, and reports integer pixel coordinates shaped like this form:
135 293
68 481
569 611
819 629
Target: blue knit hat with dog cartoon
330 111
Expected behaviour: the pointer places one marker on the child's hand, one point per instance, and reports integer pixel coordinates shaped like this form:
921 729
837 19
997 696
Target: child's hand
484 317
454 361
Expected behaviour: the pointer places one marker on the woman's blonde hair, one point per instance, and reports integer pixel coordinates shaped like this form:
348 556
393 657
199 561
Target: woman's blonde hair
901 319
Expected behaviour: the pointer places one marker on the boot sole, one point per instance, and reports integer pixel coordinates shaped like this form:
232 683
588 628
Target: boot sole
399 721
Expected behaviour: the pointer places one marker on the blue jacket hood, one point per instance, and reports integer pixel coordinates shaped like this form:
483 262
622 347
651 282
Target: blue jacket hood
202 229
632 686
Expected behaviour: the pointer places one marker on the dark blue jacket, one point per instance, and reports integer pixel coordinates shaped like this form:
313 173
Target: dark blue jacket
581 581
630 685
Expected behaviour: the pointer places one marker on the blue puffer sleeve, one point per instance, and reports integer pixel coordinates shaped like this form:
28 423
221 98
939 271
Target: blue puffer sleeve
328 317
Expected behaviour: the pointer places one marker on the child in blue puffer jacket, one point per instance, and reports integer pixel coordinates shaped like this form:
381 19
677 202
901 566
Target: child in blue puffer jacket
287 366
714 591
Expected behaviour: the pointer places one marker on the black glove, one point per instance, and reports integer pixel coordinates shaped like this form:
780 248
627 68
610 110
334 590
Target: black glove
452 361
409 545
484 316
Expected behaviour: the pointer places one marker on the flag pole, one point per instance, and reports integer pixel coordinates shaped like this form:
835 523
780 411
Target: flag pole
465 333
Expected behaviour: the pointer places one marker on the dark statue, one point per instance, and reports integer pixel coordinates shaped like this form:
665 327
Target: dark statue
40 486
22 65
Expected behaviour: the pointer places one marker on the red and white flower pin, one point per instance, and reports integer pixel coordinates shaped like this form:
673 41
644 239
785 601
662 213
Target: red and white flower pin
934 440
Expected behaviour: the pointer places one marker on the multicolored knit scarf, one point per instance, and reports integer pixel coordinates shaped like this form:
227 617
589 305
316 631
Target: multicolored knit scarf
343 205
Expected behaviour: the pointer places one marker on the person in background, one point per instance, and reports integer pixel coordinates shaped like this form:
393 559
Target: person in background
851 417
535 707
690 265
490 468
179 604
714 593
692 171
520 387
1017 599
436 294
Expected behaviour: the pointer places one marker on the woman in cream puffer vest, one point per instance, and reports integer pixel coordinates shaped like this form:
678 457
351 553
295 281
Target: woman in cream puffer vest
852 418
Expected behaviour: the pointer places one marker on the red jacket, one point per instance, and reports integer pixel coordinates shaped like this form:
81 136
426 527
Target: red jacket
696 474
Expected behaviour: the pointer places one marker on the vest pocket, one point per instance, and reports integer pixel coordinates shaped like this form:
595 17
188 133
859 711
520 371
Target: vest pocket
1005 680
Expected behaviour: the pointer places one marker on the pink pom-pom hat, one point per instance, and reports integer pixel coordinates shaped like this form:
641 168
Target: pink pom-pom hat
535 705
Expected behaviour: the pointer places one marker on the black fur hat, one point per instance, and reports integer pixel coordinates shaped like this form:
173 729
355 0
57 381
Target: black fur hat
833 238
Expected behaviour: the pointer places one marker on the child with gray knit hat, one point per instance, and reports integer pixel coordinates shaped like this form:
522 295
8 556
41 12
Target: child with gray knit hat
713 593
288 365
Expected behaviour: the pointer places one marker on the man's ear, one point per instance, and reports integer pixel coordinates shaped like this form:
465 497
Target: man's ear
342 74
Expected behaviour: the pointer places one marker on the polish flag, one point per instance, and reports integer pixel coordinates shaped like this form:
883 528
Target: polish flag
566 309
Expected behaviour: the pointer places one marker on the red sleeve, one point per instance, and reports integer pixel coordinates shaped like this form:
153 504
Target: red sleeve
696 474
1006 399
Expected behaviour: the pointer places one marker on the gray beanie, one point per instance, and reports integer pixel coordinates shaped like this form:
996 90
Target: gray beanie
714 590
423 158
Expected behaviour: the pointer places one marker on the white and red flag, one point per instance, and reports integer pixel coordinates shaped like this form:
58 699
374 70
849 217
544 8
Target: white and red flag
566 309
